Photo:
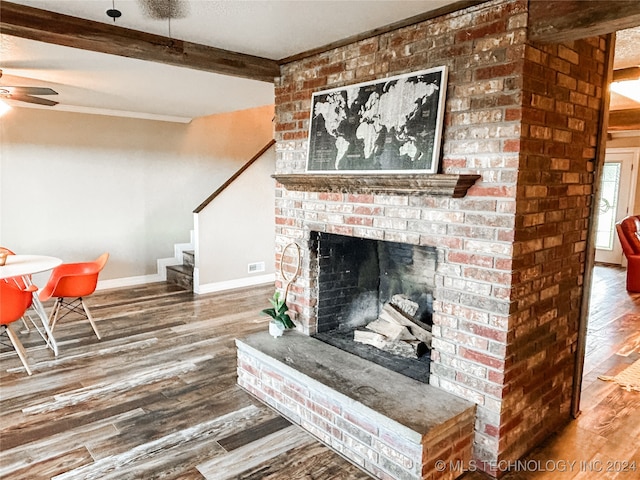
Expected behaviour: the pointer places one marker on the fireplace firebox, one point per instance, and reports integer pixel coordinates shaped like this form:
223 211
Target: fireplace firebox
357 277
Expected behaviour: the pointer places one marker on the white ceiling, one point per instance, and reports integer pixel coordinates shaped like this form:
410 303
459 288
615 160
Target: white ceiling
275 29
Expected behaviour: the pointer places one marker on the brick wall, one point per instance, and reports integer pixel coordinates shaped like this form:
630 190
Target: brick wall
562 94
512 252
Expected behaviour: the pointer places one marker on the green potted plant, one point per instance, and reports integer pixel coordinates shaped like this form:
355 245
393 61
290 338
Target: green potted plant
280 319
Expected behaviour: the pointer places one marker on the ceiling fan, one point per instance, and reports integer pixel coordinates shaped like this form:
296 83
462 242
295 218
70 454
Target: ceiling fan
25 94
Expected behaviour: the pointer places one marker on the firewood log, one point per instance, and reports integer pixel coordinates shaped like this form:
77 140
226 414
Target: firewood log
391 330
390 314
405 304
369 338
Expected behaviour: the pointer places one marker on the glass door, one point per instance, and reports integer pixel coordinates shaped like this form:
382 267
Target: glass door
616 195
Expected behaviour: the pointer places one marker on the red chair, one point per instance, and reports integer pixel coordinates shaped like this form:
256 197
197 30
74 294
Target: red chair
19 281
14 302
629 234
74 281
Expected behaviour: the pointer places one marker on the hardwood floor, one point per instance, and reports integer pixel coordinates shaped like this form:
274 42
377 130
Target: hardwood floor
157 396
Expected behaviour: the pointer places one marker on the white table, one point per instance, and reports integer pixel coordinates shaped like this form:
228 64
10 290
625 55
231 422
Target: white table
23 266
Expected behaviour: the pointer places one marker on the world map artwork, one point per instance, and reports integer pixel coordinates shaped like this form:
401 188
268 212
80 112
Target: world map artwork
393 125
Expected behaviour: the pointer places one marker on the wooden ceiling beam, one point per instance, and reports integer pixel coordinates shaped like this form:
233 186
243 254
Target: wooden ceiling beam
50 27
620 120
622 74
567 20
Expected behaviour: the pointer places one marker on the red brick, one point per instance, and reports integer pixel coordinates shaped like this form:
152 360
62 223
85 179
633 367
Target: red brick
489 191
512 114
481 358
568 54
340 230
481 31
470 259
484 331
285 221
331 197
362 221
294 135
366 210
360 198
511 145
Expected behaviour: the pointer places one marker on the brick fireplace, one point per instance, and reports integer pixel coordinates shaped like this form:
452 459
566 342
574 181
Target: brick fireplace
511 250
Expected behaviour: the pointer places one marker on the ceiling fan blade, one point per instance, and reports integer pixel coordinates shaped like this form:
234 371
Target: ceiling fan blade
29 90
30 99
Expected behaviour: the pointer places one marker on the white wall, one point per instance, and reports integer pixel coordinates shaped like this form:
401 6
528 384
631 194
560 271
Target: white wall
75 185
240 219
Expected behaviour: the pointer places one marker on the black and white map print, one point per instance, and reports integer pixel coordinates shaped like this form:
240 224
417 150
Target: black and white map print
393 124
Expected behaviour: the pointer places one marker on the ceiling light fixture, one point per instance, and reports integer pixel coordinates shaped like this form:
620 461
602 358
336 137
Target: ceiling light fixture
627 88
161 9
113 12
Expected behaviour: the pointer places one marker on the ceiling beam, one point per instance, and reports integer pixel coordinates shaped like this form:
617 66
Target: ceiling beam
623 74
567 20
620 120
50 27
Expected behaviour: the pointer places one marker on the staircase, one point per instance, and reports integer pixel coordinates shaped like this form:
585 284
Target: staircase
180 269
182 275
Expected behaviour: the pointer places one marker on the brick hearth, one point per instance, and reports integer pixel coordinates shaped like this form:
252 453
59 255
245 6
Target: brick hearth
390 425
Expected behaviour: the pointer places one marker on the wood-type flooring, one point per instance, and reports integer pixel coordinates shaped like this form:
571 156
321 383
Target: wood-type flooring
157 396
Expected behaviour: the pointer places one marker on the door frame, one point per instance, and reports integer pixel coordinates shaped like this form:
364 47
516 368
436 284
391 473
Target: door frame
603 125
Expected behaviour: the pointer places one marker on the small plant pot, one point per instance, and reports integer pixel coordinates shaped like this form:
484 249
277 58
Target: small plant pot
275 329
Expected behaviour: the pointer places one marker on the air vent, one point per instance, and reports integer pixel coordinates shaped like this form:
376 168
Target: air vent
256 267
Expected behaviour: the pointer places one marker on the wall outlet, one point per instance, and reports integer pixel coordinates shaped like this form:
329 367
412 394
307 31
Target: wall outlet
255 267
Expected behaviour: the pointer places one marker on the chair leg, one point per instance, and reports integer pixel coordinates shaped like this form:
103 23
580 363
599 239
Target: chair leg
26 325
93 324
53 317
17 344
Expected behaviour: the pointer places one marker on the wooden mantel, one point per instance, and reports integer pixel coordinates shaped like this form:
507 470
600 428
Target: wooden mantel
450 185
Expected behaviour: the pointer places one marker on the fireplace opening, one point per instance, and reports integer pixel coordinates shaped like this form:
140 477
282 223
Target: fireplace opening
361 281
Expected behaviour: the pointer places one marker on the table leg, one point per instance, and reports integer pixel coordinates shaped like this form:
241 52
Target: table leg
48 336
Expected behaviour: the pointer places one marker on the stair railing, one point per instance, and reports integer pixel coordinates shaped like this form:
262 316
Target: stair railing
234 176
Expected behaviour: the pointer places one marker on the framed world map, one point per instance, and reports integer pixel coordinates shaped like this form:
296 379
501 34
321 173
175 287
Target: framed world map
391 125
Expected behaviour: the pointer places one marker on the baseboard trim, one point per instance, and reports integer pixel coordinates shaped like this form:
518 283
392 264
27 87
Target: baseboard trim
199 289
129 281
231 284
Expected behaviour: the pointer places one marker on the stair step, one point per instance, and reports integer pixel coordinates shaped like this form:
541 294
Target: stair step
181 275
188 258
186 269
